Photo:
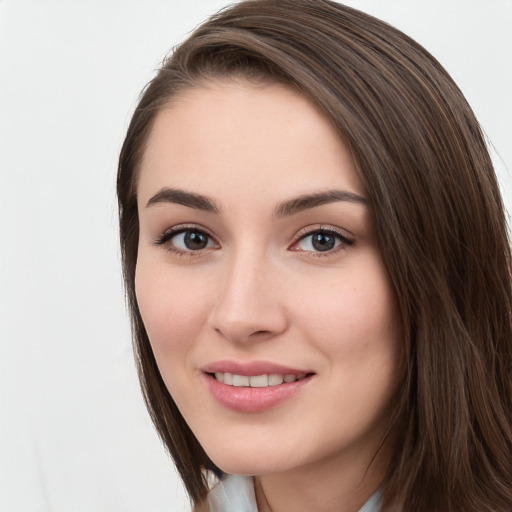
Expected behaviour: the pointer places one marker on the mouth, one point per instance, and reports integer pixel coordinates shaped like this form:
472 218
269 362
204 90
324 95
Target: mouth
257 381
256 386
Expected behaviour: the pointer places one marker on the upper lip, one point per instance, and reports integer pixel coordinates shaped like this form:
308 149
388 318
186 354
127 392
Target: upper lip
252 368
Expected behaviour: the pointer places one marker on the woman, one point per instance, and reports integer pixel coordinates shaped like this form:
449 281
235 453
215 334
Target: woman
318 270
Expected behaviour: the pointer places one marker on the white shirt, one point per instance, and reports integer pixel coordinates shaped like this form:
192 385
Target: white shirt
236 494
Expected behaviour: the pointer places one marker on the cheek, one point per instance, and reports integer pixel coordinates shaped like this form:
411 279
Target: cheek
171 309
353 320
359 304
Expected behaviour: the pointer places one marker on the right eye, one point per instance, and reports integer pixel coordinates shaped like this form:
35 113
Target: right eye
186 240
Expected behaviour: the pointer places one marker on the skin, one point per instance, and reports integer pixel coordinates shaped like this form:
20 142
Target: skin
260 290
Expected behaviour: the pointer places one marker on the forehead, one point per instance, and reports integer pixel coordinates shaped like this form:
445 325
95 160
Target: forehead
234 135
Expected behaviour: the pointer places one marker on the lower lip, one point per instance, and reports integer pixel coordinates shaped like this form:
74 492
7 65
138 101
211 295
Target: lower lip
247 399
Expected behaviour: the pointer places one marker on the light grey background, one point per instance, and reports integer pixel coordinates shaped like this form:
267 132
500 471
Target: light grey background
74 435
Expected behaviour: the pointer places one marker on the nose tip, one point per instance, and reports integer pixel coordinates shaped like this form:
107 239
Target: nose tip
248 307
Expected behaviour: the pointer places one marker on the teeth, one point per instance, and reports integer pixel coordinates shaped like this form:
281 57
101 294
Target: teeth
240 380
275 380
256 381
259 381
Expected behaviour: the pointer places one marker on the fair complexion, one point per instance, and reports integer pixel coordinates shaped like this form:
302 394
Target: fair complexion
257 256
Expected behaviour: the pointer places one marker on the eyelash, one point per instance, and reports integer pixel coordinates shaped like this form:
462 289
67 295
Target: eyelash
170 233
167 236
342 236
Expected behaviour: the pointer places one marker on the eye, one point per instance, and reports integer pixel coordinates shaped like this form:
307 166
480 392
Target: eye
191 240
321 241
186 240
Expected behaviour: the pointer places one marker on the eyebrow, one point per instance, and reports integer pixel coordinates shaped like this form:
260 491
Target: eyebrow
284 209
197 201
308 201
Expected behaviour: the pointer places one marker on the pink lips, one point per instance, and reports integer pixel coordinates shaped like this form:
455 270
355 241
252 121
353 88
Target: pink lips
251 368
253 399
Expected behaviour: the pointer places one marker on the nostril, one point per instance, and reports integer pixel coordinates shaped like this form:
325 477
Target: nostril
261 333
248 322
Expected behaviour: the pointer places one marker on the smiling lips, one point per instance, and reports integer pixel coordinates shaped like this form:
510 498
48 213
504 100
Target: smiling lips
253 387
257 381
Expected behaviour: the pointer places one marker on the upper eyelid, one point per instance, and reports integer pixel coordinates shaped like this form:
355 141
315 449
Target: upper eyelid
309 230
168 233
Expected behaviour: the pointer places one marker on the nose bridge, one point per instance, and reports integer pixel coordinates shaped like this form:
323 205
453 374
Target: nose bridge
248 302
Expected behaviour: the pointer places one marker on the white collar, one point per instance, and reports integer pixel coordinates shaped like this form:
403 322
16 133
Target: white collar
235 493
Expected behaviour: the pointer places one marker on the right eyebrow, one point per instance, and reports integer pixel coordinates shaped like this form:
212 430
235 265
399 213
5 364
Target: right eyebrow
190 199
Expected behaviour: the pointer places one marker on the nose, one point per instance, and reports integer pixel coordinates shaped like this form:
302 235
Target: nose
248 305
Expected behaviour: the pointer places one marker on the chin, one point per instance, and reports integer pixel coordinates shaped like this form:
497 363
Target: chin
247 462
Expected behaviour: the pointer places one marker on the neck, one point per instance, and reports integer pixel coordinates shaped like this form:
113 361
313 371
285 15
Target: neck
329 486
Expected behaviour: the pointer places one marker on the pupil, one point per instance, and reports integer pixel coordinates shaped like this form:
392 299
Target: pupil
323 242
194 240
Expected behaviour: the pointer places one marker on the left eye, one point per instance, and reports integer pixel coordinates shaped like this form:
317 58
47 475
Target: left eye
321 241
191 240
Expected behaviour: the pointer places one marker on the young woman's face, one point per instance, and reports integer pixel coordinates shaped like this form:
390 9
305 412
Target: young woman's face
260 282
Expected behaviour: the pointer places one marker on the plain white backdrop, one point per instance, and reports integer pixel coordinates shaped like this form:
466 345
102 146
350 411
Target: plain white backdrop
74 434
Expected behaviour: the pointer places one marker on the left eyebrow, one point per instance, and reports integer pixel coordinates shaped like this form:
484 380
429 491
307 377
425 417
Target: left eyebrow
308 201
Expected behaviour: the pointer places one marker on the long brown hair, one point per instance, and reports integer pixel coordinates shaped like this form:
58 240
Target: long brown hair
440 223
